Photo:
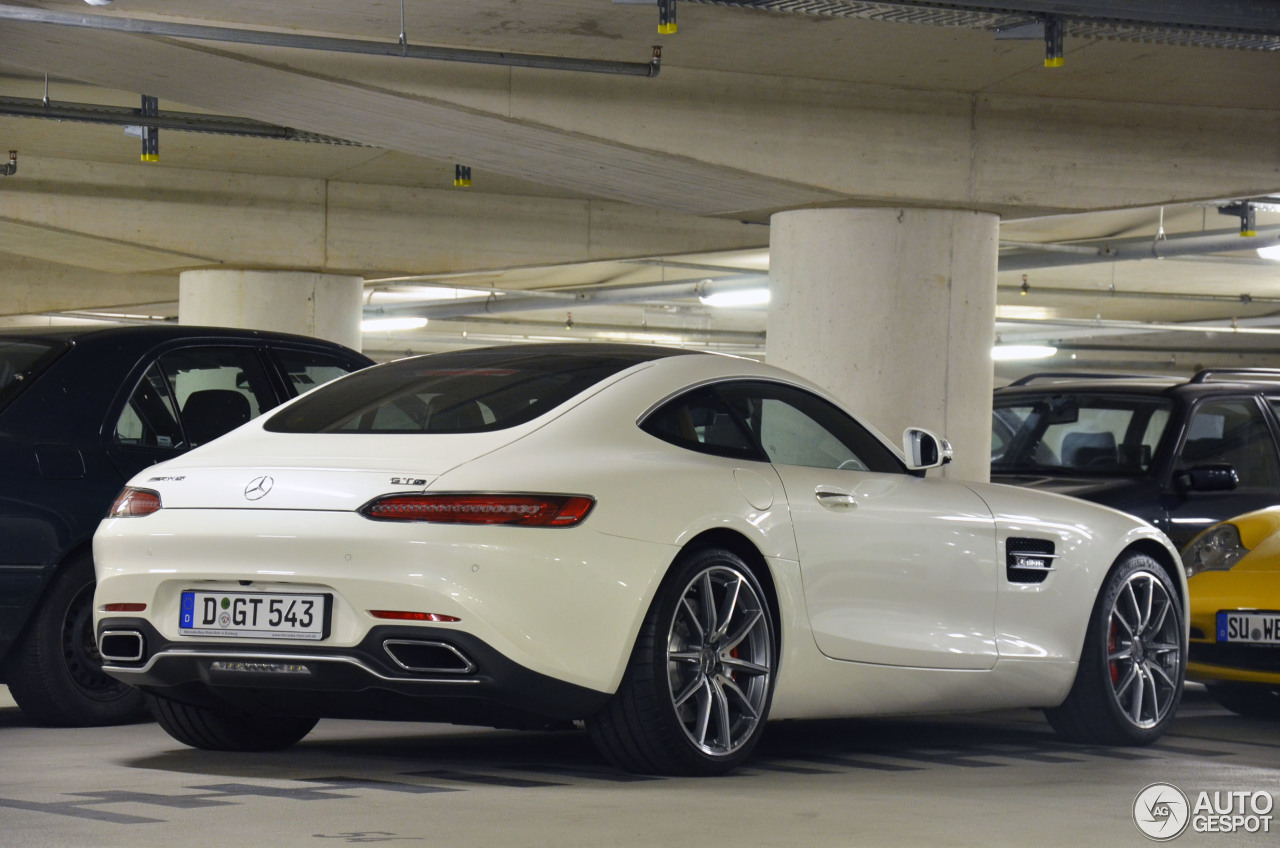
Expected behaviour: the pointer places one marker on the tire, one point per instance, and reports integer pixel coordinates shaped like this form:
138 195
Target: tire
54 670
1253 700
225 730
696 692
1129 680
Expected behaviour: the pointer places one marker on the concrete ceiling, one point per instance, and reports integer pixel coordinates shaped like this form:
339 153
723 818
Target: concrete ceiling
753 112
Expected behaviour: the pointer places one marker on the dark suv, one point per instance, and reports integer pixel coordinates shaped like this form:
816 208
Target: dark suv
82 411
1181 454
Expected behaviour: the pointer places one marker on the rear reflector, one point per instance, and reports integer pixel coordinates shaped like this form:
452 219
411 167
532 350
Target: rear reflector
134 502
123 607
523 510
401 615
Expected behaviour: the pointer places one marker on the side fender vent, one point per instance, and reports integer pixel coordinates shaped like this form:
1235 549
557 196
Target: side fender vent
1028 560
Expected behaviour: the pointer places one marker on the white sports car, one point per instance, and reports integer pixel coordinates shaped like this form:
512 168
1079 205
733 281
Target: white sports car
671 547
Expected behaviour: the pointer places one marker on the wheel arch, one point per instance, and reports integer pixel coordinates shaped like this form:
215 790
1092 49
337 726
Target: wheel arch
27 615
1171 564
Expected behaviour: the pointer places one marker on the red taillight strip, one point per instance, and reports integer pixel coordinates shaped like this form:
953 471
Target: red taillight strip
525 510
134 502
402 615
124 607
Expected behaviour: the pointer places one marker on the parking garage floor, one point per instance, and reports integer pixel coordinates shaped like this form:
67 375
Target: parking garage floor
997 779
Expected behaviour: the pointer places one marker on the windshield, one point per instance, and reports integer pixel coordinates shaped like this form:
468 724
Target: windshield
467 392
20 361
1106 435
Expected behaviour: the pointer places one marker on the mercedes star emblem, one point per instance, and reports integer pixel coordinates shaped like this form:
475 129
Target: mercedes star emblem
258 488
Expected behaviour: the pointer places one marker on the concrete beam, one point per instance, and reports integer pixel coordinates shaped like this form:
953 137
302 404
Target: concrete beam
131 217
31 286
422 125
717 143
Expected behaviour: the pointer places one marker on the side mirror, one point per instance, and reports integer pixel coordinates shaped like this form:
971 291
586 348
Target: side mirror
924 450
1213 477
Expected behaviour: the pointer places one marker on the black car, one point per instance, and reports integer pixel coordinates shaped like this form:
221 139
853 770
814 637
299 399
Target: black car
82 411
1181 454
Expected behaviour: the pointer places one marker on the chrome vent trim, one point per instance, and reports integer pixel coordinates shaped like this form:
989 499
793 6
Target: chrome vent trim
1028 560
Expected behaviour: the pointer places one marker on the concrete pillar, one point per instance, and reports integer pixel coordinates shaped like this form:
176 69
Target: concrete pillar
327 306
892 311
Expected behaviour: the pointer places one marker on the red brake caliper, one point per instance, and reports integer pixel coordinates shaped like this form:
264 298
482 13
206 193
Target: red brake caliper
1111 649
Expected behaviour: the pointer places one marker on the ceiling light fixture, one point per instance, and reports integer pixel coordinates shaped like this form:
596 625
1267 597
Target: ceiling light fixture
390 325
1011 353
1270 252
740 297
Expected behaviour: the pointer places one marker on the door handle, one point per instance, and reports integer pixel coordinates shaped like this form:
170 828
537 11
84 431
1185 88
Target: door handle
836 499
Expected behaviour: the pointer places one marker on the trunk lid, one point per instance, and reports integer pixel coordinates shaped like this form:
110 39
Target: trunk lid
252 469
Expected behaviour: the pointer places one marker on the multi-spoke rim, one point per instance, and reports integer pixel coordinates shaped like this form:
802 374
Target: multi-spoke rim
720 660
1144 649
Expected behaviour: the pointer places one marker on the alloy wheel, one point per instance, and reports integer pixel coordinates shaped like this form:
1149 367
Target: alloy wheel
720 660
1144 650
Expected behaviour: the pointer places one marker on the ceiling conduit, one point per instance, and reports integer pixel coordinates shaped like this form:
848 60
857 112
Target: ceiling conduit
265 38
124 116
1052 256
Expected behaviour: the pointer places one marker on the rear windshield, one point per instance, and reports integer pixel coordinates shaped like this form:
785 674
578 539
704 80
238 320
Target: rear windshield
1077 433
466 392
20 361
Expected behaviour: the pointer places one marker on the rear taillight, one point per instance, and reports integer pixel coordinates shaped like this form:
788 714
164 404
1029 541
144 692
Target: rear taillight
522 510
125 607
404 615
134 502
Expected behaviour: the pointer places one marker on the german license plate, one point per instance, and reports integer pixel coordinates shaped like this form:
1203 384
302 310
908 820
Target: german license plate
1249 628
262 615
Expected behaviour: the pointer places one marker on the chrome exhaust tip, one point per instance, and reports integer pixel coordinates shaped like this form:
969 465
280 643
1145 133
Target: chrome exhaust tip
121 645
428 657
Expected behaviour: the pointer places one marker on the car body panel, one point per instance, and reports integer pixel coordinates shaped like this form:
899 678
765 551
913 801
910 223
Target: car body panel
1088 544
897 570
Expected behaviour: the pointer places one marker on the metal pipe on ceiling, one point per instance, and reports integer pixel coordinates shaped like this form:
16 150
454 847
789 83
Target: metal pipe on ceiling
1133 249
124 116
1164 297
1068 328
266 38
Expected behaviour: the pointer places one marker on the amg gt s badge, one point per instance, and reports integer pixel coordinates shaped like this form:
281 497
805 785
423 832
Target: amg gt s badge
258 488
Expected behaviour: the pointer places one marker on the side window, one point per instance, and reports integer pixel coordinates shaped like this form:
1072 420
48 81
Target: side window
190 397
150 418
306 369
701 421
1234 432
797 428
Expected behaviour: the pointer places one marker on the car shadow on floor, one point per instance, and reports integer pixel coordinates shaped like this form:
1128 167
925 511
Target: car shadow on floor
382 751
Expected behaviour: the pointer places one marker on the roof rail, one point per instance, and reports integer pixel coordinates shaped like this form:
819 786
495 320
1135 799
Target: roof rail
1245 373
1081 375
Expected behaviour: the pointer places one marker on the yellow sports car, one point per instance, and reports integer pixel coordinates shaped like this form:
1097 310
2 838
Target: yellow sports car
1233 574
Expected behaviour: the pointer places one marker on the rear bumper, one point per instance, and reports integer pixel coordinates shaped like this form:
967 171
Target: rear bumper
397 673
564 602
